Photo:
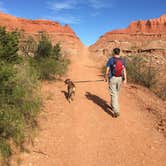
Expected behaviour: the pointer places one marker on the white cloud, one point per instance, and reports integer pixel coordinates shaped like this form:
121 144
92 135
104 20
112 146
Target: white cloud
98 4
66 19
62 5
60 8
72 4
2 8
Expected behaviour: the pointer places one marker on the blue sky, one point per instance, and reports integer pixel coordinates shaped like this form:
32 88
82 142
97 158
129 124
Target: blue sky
89 18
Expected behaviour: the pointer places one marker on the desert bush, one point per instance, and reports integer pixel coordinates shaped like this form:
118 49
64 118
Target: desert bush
19 103
27 46
20 85
44 48
48 59
140 71
19 94
9 45
46 68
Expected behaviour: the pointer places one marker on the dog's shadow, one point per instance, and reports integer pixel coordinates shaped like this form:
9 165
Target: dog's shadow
100 102
65 94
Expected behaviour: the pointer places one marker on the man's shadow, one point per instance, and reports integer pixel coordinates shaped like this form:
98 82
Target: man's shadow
100 102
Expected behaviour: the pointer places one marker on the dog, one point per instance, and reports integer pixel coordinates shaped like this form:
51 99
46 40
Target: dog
71 88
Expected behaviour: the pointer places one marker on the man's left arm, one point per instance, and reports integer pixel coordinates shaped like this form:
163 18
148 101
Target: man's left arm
107 74
125 75
124 71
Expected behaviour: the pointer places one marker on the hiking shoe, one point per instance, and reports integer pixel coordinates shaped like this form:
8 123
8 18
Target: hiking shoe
116 114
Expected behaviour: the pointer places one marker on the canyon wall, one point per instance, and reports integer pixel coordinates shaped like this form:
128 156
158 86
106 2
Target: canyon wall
57 33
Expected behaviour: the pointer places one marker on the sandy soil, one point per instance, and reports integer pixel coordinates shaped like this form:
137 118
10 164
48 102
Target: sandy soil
84 133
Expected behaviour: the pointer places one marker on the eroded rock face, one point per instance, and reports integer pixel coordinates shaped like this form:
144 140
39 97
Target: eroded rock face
157 26
138 34
57 33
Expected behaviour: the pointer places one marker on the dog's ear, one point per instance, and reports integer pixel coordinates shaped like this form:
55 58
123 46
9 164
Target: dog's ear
67 81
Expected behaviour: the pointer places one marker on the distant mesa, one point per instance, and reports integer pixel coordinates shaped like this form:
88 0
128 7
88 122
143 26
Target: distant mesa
146 26
142 34
57 33
33 26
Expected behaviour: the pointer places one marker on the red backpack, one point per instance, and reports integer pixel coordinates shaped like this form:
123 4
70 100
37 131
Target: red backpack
117 70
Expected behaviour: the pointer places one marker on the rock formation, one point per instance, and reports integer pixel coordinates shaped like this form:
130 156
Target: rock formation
57 33
138 34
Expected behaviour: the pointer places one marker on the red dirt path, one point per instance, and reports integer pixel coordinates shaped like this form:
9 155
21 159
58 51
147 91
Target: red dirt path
83 134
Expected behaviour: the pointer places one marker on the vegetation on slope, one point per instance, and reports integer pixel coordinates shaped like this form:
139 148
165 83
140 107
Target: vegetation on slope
20 83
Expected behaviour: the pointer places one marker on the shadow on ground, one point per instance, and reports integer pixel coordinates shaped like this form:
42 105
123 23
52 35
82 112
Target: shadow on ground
65 94
100 102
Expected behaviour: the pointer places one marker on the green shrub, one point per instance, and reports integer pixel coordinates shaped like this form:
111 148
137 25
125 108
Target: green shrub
4 148
46 68
9 45
20 86
140 71
61 67
48 59
19 94
26 93
20 101
44 48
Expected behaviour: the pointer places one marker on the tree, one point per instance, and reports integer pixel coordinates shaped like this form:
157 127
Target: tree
48 59
9 45
44 48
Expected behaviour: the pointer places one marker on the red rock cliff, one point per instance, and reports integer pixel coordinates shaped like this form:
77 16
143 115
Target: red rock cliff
58 33
137 34
157 26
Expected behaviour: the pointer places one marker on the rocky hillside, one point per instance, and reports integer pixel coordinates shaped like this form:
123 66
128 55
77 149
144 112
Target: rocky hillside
58 33
139 35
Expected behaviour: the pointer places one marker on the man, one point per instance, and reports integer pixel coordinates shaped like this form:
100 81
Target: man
115 73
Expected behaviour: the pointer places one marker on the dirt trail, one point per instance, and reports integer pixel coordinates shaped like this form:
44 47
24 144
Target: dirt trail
84 134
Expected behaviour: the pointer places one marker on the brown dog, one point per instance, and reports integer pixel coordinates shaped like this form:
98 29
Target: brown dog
70 90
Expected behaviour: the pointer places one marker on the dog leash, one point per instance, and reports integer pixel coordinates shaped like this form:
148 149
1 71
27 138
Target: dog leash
88 81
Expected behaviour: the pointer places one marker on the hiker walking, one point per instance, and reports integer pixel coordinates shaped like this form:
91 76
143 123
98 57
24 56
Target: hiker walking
115 74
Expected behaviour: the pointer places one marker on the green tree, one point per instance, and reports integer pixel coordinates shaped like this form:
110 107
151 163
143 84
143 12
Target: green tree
48 59
44 48
19 98
9 45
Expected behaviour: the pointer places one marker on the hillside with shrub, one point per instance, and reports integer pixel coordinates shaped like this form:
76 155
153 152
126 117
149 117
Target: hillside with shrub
20 87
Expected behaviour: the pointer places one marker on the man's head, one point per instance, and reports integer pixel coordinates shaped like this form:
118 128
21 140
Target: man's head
116 51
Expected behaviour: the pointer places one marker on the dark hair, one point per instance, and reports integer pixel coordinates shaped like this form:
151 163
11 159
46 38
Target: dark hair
116 51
